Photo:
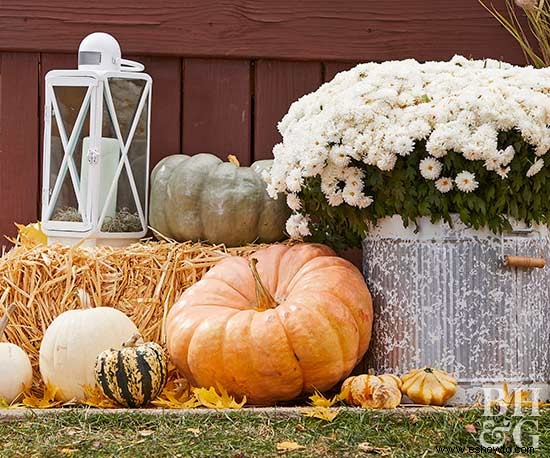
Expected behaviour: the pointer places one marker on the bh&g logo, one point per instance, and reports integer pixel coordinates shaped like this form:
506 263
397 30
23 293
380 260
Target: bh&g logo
521 426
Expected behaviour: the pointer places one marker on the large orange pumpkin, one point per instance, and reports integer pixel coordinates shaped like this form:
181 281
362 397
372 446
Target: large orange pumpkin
289 320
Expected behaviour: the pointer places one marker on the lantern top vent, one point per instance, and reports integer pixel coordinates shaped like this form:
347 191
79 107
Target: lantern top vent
101 52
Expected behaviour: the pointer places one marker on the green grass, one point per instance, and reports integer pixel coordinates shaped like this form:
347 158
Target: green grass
242 434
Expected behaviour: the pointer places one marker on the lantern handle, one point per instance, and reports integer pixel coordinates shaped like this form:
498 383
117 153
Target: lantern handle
127 65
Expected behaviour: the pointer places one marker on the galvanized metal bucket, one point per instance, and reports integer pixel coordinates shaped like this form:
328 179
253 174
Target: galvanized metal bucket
443 297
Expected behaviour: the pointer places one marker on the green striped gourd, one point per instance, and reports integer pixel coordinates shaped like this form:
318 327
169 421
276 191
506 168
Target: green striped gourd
134 375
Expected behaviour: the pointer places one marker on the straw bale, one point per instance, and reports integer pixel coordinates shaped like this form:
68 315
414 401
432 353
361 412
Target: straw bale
143 280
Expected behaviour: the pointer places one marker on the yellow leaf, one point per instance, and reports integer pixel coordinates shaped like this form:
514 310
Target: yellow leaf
211 399
319 400
176 395
522 397
31 235
323 413
288 446
94 397
3 403
47 400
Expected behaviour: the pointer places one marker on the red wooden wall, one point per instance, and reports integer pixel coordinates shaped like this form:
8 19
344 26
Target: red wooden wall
224 71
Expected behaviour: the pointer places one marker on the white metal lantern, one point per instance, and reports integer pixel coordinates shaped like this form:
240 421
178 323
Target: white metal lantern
96 148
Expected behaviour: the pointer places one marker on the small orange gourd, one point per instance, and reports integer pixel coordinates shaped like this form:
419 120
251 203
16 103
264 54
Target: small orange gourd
371 391
428 386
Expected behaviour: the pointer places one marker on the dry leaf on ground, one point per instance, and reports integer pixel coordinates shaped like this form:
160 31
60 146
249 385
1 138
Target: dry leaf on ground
94 397
217 399
323 413
288 446
195 431
368 448
46 401
176 395
319 400
470 428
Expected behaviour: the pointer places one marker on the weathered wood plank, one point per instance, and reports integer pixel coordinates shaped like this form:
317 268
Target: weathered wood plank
277 85
19 157
216 108
166 105
305 30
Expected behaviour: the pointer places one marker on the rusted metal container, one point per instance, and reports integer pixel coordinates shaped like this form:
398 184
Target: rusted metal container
444 297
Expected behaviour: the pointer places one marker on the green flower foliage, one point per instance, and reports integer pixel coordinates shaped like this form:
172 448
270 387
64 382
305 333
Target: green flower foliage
403 191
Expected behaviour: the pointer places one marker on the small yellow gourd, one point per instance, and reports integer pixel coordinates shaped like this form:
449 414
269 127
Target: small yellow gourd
371 391
428 386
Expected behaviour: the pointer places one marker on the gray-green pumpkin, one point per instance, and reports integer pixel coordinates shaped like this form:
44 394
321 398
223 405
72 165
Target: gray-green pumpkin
202 198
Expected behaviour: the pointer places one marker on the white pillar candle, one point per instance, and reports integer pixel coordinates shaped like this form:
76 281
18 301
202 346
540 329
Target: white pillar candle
109 157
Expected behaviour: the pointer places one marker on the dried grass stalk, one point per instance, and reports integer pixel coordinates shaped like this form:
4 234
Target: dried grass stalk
143 280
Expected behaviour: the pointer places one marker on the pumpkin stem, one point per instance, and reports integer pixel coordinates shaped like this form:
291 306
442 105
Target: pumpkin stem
264 299
429 370
5 319
132 341
233 159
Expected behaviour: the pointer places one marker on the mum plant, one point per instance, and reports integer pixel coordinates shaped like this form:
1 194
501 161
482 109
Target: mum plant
416 140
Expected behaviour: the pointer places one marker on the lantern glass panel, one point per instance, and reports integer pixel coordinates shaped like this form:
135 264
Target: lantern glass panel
70 125
123 211
126 94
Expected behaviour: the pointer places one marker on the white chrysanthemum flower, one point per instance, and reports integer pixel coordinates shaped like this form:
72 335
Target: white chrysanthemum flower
444 184
535 168
294 180
503 172
507 155
386 161
293 202
356 198
430 168
466 181
338 156
297 226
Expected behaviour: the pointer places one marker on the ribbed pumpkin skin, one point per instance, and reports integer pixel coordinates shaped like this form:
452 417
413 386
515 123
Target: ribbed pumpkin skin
132 376
202 198
315 336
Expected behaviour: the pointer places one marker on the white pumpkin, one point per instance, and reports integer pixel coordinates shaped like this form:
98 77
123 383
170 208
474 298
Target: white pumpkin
72 342
15 366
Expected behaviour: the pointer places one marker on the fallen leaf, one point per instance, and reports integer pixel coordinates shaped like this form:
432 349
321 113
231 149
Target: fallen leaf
368 448
47 400
68 450
31 235
299 427
470 428
219 399
3 403
288 446
323 413
97 444
413 418
195 431
94 397
522 397
319 400
176 395
146 433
